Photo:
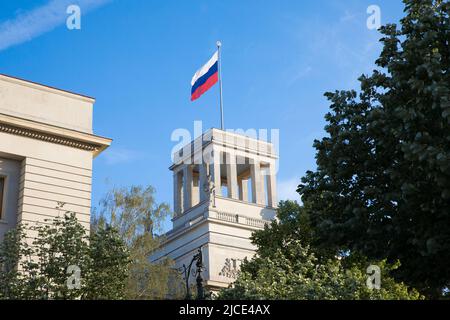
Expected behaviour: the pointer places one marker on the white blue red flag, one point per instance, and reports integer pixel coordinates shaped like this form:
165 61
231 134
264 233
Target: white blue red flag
205 77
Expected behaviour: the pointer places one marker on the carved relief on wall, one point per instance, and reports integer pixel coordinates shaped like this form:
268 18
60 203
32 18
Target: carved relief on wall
230 268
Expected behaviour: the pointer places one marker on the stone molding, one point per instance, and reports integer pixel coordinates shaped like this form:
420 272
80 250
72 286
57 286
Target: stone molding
52 134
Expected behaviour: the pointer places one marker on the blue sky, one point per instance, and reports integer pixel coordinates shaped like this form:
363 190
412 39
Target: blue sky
137 59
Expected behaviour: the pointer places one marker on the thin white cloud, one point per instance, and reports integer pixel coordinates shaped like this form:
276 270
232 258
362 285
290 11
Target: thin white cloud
287 189
300 74
114 156
29 25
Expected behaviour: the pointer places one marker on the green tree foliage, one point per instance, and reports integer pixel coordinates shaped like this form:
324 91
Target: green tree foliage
39 268
134 212
109 262
294 273
138 217
382 184
113 261
292 223
292 267
59 243
13 249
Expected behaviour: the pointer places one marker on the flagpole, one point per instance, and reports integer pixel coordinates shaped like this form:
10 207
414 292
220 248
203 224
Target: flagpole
219 44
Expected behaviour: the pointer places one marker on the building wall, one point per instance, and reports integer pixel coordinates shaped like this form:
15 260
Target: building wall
224 262
46 105
47 141
49 173
224 246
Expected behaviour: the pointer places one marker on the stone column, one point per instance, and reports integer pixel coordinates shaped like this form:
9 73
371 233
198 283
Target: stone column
216 172
257 182
243 189
272 186
195 194
176 193
187 187
202 181
232 176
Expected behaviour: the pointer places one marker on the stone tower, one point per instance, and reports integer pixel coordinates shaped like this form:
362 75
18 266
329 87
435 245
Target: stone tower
224 187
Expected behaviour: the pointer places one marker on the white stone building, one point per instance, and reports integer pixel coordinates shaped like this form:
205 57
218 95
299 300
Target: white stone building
46 151
224 189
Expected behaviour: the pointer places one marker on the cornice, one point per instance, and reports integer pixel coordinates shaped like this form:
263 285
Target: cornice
219 138
48 133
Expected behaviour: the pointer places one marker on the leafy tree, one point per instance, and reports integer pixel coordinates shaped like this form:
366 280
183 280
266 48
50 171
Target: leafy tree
134 212
13 251
38 268
382 183
149 280
60 243
108 267
294 273
289 264
114 260
292 223
138 217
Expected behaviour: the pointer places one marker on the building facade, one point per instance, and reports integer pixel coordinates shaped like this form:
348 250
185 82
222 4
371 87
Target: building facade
224 187
47 147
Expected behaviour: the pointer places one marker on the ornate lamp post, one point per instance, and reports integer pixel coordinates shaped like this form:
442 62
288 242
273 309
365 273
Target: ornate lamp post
198 258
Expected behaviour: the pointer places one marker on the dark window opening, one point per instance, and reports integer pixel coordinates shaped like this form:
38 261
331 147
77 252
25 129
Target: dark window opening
2 192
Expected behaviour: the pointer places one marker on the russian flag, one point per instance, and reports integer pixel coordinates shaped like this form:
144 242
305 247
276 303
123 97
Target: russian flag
205 77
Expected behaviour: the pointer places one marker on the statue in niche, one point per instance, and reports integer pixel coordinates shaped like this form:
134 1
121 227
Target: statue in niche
209 187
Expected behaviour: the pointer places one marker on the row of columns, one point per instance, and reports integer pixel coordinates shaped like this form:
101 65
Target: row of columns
189 185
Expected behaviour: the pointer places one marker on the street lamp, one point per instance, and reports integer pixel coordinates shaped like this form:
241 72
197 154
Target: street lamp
198 258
